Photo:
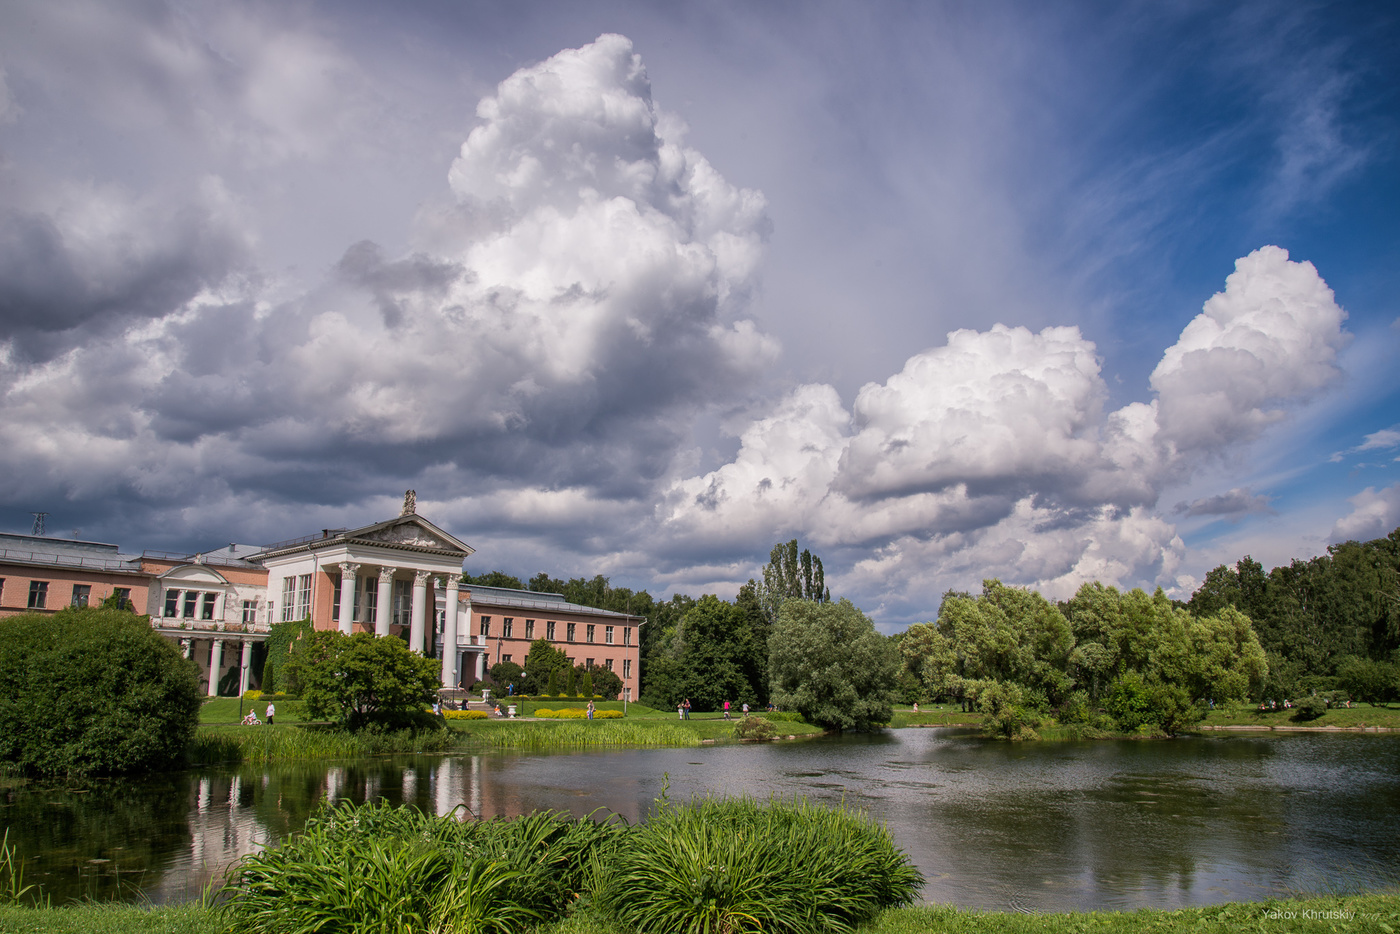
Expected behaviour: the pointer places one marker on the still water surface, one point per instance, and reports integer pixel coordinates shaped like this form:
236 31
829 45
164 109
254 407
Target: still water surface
1029 826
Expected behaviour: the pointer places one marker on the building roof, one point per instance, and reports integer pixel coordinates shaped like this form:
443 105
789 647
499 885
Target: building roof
530 600
42 551
410 532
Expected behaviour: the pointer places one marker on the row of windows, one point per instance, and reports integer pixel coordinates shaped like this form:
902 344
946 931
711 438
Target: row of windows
551 633
81 596
190 604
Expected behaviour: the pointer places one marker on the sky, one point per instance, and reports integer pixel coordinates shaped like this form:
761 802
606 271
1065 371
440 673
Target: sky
1051 293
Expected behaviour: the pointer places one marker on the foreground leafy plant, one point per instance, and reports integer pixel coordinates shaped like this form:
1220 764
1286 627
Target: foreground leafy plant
734 866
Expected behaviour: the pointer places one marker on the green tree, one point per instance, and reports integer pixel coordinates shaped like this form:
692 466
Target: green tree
790 575
585 682
504 673
93 691
606 683
360 679
828 663
541 662
493 579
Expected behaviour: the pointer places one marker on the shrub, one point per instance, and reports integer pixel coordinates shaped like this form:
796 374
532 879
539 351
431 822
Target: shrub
379 868
93 691
756 728
1310 709
466 714
359 680
1008 711
738 865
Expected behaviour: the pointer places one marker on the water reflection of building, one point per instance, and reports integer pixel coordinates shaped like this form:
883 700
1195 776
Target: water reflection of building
400 577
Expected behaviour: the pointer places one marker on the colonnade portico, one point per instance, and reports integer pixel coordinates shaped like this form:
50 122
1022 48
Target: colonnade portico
379 579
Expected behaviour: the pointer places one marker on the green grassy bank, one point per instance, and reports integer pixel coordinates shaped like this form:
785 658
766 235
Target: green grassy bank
1355 914
1356 717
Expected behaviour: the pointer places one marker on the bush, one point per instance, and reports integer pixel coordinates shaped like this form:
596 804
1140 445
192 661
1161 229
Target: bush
465 714
1008 711
1310 709
359 680
756 728
93 691
738 865
783 716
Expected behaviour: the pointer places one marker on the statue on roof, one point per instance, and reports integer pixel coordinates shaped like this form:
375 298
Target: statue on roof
410 503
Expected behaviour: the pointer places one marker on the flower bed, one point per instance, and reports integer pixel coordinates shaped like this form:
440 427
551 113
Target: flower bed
465 714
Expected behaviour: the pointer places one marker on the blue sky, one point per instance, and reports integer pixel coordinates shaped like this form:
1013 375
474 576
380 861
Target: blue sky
641 288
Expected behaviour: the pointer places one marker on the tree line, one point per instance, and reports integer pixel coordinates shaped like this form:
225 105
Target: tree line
1327 623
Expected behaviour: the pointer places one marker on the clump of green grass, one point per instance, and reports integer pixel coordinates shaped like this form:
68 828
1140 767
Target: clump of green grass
736 865
376 868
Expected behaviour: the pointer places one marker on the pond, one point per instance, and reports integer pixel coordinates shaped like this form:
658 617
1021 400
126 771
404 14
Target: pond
1026 826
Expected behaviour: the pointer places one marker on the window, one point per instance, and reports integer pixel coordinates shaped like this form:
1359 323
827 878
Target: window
505 658
607 663
507 625
209 599
529 629
172 603
191 601
369 598
403 602
571 628
627 668
123 595
588 663
335 600
2 590
304 597
38 594
607 635
589 635
549 630
250 611
289 599
486 625
626 635
81 593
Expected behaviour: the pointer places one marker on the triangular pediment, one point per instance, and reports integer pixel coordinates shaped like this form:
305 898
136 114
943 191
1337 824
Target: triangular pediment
410 531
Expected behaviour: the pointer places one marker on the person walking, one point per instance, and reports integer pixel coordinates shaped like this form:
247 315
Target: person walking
590 709
686 716
271 709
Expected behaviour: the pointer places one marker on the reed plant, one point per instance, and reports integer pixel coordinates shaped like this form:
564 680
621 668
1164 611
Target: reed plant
533 736
13 890
266 744
735 866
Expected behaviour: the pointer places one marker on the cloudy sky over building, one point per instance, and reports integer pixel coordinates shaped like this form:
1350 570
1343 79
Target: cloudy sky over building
1049 293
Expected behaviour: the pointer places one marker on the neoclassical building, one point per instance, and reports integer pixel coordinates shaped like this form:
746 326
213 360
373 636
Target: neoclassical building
398 578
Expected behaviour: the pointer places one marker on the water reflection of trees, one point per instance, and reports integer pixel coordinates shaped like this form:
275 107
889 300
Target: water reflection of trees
102 840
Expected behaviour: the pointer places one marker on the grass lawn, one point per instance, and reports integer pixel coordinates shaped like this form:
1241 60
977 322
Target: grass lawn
218 710
1358 715
1354 914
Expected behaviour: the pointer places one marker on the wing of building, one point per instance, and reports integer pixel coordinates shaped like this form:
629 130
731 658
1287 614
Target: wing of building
401 578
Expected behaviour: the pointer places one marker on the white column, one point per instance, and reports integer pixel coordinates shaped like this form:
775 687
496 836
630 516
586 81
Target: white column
216 661
347 595
245 662
420 606
449 632
480 665
383 612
